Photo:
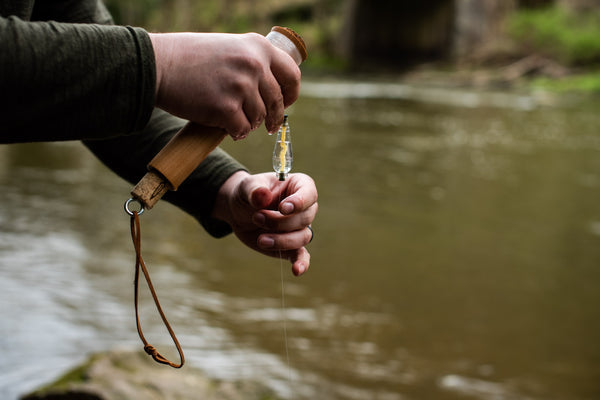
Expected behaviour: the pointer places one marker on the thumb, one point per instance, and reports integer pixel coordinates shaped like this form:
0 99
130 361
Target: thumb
254 190
260 197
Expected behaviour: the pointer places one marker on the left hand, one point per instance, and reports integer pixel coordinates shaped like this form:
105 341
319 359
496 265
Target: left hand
227 81
270 216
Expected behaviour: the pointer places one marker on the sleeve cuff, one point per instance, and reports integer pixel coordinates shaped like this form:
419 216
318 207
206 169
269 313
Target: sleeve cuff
146 94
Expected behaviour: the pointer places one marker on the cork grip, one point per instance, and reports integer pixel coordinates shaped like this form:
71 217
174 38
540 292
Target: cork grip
193 143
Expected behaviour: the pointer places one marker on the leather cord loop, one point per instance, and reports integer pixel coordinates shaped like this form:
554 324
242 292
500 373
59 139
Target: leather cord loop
139 265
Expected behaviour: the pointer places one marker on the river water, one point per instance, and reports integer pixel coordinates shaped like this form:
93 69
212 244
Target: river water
456 256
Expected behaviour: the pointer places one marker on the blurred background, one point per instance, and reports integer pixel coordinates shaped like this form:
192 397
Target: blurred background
456 148
354 35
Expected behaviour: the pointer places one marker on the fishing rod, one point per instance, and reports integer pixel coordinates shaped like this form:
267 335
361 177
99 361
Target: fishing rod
177 160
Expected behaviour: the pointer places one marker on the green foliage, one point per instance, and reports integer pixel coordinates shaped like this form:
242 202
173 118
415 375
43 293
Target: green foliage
319 22
134 12
572 38
75 375
589 83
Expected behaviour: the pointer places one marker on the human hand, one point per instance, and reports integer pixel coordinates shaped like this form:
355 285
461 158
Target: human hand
270 216
228 81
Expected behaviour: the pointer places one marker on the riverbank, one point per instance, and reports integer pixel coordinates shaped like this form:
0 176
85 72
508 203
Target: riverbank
134 376
504 88
528 74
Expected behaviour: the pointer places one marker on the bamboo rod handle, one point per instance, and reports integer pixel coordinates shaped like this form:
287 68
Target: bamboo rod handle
193 143
176 161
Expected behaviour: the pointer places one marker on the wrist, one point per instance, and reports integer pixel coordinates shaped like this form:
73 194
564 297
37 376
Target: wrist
160 50
222 207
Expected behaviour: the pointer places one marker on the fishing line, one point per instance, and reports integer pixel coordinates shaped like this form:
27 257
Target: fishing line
284 313
284 318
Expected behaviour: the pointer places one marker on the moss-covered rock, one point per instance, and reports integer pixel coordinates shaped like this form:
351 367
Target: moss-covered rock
119 375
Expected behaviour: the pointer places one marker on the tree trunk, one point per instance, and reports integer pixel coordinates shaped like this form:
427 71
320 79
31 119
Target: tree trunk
398 32
478 22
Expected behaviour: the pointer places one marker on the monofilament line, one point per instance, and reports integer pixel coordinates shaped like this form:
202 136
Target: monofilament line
284 318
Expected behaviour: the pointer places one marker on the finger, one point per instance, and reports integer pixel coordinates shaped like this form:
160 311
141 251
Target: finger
255 111
300 259
235 123
288 75
245 104
303 194
300 262
254 189
271 94
276 222
285 241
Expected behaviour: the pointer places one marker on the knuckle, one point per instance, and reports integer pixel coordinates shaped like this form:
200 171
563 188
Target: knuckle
254 36
307 219
291 87
230 108
252 64
233 119
308 235
293 80
238 87
276 102
296 77
250 56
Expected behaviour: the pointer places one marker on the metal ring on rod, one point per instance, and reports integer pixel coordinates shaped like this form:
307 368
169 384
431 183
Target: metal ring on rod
128 211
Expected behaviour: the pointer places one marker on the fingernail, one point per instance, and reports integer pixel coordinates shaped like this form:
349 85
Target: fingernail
259 219
272 127
258 122
266 242
287 208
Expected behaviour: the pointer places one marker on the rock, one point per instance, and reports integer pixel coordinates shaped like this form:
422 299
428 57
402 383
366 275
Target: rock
119 375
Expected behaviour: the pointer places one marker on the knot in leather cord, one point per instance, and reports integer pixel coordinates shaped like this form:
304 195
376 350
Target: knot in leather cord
151 350
139 264
159 358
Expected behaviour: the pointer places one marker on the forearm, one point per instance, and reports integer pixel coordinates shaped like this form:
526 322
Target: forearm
63 81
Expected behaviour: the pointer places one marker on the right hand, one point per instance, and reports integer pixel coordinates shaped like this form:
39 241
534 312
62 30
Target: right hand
228 81
270 216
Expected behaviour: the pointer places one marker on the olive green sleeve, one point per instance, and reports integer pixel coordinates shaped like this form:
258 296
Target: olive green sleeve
65 81
83 79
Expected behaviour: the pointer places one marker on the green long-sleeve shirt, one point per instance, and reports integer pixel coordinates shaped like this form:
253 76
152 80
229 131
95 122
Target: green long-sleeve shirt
67 73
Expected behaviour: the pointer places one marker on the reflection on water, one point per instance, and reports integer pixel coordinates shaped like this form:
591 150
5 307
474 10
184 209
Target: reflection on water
455 257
